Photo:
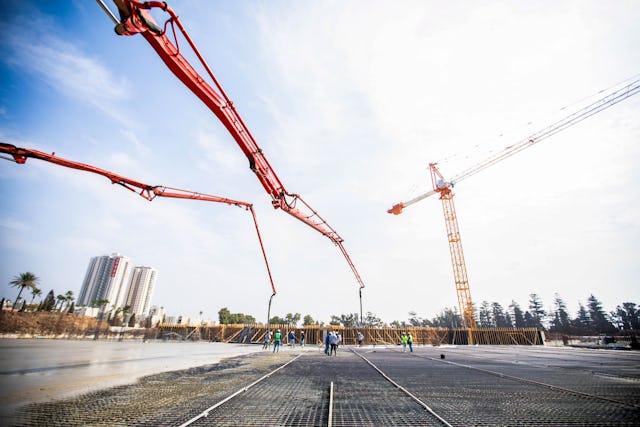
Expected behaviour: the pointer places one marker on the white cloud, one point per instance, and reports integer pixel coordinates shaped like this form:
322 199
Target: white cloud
71 72
13 224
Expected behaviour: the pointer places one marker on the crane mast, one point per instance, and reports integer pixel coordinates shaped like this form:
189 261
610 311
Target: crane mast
441 186
455 248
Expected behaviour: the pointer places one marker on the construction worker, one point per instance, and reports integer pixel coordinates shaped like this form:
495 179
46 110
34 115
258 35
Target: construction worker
403 340
410 342
333 340
277 337
267 340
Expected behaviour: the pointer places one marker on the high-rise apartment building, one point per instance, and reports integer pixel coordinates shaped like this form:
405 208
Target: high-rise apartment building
141 286
107 278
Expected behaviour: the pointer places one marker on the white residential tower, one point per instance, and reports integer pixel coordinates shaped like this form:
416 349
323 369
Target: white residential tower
107 278
141 286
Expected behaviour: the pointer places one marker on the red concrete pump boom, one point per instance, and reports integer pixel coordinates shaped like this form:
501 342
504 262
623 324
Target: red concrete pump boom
135 18
149 192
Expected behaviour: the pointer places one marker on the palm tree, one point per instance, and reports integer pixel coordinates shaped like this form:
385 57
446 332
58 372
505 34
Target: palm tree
35 292
61 299
68 297
120 315
22 281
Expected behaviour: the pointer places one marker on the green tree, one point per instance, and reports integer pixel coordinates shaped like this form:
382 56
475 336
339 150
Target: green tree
448 318
245 318
35 292
484 316
277 320
529 321
292 319
580 325
49 302
224 316
537 311
68 298
308 320
599 320
371 319
348 320
116 320
627 316
60 300
508 320
414 320
498 316
23 281
561 321
518 315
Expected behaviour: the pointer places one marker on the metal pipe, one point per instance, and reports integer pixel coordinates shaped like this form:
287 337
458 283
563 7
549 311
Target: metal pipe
108 12
330 421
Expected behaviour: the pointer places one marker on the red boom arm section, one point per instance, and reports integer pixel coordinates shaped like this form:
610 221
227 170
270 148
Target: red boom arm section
149 192
134 19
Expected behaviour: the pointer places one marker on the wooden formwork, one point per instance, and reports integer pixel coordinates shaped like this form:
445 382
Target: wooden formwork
315 334
498 336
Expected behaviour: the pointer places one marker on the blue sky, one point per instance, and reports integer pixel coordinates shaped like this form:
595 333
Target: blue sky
349 101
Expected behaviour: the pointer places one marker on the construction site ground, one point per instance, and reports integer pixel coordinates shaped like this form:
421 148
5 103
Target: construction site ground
371 386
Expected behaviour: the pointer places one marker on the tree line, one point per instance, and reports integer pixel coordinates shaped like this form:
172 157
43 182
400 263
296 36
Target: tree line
588 320
591 319
29 282
63 303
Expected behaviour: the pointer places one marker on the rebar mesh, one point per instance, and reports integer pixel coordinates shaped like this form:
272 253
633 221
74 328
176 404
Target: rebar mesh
298 395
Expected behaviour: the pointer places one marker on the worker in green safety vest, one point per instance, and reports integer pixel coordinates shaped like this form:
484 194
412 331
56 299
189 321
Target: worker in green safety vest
403 340
277 338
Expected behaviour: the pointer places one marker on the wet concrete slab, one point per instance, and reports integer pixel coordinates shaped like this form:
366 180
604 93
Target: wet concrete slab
477 385
41 370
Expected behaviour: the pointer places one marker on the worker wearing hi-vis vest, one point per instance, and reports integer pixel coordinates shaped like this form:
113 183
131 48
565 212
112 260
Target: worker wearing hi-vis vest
277 338
403 340
410 342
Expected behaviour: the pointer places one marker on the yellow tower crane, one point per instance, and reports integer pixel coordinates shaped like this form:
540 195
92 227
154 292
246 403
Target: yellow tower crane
444 187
